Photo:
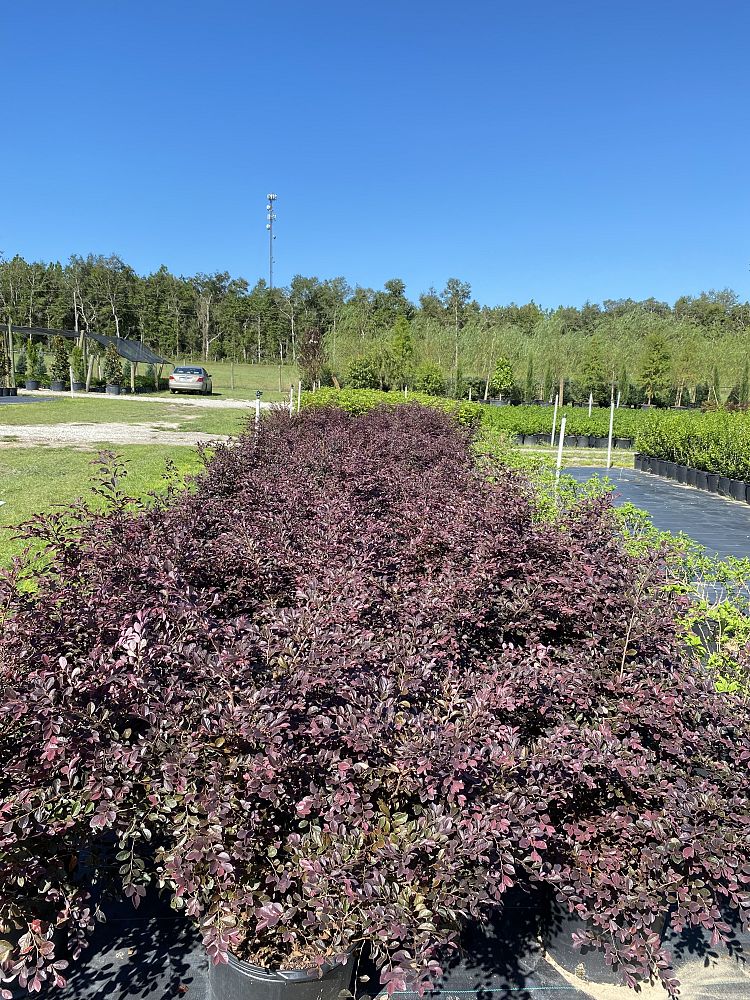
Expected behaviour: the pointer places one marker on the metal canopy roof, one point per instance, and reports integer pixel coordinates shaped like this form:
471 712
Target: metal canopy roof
131 350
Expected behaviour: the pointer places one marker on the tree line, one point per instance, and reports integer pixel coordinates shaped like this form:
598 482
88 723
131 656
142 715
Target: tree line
693 349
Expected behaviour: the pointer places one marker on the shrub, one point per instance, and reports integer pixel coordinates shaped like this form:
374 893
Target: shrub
21 364
4 369
341 691
502 380
60 362
362 374
37 369
112 366
78 364
428 378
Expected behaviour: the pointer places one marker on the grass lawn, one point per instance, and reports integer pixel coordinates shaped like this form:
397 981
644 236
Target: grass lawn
95 410
33 480
584 456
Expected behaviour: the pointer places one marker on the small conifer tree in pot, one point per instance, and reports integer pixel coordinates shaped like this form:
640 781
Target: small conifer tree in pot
112 371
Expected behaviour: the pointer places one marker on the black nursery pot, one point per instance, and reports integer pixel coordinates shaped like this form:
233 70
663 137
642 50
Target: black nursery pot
670 470
625 443
712 482
601 442
738 489
681 473
79 386
113 390
32 383
637 460
57 386
238 980
583 441
701 479
725 486
691 478
570 440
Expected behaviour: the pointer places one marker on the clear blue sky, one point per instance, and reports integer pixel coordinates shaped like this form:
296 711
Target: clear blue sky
560 149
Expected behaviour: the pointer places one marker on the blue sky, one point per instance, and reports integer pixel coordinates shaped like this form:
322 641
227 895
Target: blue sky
560 150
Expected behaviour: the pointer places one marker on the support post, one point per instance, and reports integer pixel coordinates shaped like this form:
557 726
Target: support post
133 369
70 373
231 374
554 422
299 394
591 401
611 426
291 400
558 466
89 372
10 355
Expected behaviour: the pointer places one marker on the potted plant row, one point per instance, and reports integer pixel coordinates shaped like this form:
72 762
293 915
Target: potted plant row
710 482
310 700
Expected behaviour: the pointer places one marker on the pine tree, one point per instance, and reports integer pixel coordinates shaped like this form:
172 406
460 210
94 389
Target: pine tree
654 373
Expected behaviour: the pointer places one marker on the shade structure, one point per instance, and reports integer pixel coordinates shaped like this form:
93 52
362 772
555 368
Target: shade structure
131 350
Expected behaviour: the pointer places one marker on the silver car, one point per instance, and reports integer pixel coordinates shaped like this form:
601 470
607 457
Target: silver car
188 378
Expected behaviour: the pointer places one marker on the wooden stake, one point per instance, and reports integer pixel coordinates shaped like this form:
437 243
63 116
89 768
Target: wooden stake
89 372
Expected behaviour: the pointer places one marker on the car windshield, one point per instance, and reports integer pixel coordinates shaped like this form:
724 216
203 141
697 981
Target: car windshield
188 371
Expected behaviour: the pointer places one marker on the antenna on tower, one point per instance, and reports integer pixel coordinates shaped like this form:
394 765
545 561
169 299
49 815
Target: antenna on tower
271 218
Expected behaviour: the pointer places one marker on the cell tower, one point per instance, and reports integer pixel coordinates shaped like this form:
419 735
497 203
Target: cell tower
271 218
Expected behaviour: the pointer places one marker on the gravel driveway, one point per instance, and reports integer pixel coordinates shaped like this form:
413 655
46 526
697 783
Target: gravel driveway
33 435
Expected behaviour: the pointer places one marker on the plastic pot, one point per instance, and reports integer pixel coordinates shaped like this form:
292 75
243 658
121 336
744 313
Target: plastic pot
236 980
670 470
712 482
691 478
600 442
701 479
113 390
57 386
583 441
681 473
725 486
13 391
4 391
625 443
32 383
738 489
541 438
79 386
570 440
747 492
637 461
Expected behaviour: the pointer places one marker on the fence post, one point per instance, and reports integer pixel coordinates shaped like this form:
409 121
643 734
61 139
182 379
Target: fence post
609 439
291 400
231 374
257 408
70 373
299 393
591 401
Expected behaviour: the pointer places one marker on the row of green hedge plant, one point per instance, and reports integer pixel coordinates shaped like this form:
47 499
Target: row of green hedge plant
510 419
717 442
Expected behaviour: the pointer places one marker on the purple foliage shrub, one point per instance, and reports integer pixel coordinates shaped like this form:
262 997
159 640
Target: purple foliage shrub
347 690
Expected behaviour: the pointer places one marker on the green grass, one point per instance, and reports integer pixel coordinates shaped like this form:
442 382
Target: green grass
247 378
33 480
96 410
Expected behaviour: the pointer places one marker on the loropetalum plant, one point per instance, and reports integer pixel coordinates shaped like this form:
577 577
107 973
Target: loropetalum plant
348 689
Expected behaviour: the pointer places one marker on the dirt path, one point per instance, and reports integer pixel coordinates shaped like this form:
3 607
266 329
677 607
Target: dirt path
33 435
208 402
